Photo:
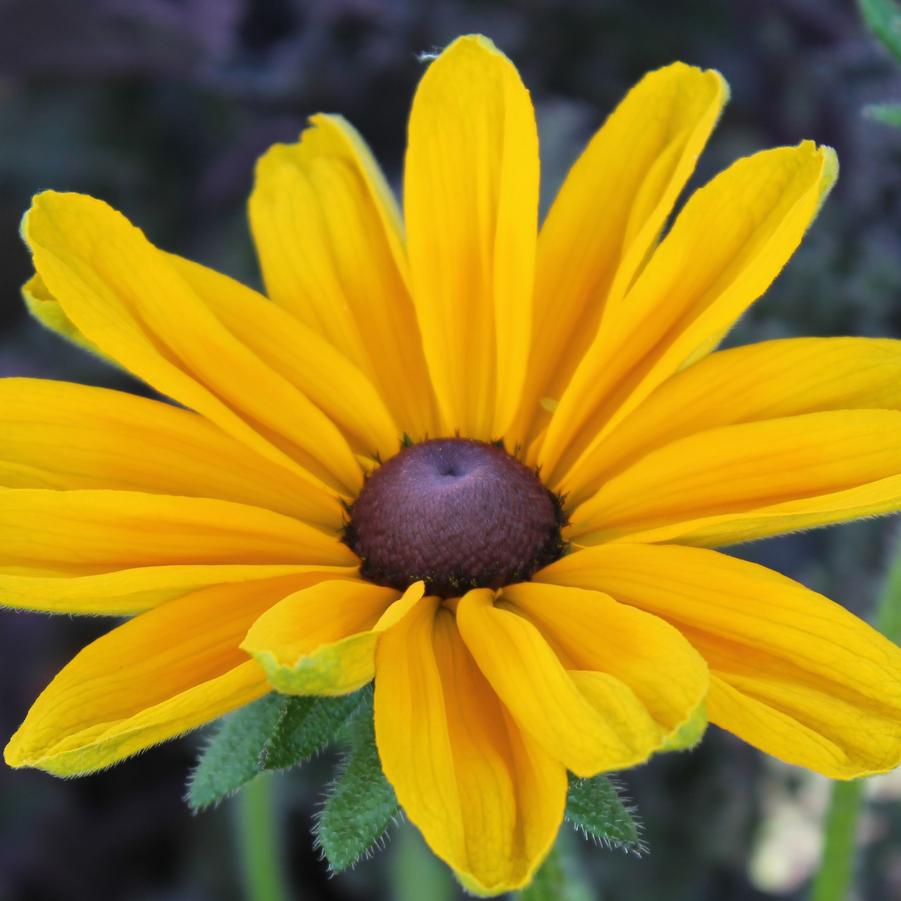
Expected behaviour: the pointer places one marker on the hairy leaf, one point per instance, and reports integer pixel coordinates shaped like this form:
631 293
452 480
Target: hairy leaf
360 805
274 733
594 806
233 754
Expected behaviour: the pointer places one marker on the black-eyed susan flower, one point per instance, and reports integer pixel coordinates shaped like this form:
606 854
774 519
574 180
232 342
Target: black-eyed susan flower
482 463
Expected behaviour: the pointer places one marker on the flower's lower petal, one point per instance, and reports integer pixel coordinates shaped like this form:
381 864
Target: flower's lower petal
725 248
157 676
321 640
793 673
64 436
746 481
128 591
487 798
607 215
130 300
330 244
471 209
768 380
591 631
85 532
589 721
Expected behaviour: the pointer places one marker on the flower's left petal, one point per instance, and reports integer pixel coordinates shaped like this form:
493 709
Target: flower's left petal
128 591
471 205
754 479
727 245
321 640
157 676
487 799
65 436
592 632
84 532
330 243
590 721
793 673
130 300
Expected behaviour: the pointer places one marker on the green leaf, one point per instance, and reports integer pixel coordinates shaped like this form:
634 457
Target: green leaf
274 733
883 18
233 754
360 805
594 806
307 726
887 113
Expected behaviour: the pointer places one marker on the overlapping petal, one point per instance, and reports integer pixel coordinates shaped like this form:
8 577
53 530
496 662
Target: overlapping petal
120 292
793 673
330 243
85 532
154 677
726 246
591 632
589 720
606 217
64 436
321 640
488 799
746 481
769 380
471 208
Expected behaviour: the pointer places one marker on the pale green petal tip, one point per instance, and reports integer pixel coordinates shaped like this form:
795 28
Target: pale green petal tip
690 733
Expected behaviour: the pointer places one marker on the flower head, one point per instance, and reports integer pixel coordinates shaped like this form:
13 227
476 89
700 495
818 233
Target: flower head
482 463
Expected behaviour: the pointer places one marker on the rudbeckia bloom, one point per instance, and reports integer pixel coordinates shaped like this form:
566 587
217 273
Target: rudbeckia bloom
482 463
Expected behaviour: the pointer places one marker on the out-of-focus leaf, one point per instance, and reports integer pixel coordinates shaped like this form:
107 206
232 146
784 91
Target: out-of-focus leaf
595 808
883 18
887 113
361 804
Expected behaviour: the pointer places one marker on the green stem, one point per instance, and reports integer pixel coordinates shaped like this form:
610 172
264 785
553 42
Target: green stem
257 834
837 868
833 882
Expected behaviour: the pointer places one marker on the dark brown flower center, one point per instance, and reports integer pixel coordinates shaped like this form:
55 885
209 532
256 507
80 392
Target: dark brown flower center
456 513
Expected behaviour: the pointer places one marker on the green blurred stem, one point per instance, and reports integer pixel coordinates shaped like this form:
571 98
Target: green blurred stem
257 834
837 868
834 880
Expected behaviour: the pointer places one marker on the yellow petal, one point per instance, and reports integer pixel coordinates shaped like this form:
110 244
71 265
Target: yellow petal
487 799
300 356
471 205
59 435
321 640
328 236
607 215
590 631
795 674
86 532
129 299
725 248
588 720
753 479
768 380
154 677
46 309
130 591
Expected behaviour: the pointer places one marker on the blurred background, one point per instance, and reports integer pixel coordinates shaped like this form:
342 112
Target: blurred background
161 107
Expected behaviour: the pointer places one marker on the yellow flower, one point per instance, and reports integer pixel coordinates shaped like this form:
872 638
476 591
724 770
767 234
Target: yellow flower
505 651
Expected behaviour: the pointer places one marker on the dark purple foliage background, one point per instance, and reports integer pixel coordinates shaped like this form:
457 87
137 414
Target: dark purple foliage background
161 107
